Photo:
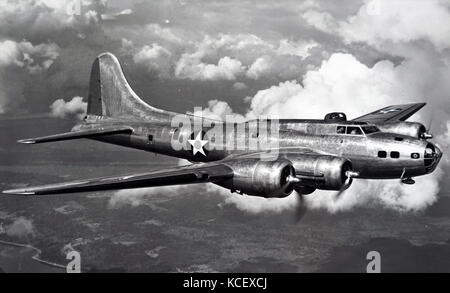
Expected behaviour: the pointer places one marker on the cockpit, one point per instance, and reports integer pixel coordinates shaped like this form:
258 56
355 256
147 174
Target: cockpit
356 129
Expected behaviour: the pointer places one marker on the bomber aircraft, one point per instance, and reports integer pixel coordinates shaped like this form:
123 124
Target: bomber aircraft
260 157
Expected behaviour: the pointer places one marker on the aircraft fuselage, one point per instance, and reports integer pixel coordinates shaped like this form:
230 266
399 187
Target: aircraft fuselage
378 155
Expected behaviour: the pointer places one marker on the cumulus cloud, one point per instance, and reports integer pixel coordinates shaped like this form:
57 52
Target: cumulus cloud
223 57
34 58
342 83
321 20
399 27
258 58
260 67
299 48
219 110
399 21
75 107
18 61
155 58
42 16
389 194
10 53
152 52
21 227
131 198
380 22
164 35
191 68
194 65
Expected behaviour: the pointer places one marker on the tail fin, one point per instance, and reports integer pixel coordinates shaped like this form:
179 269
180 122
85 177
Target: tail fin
110 95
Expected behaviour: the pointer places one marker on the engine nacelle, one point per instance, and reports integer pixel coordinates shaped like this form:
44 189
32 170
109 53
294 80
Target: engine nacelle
413 129
261 178
322 172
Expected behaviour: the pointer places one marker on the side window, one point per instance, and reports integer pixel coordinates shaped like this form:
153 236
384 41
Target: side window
395 155
354 130
340 130
415 155
382 154
150 137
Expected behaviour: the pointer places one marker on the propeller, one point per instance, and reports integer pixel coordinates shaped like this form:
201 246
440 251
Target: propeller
348 181
300 208
427 134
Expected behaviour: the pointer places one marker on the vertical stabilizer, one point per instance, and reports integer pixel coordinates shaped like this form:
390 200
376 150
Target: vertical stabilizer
110 95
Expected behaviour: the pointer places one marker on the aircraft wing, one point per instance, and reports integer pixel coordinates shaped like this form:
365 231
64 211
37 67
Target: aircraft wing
196 173
391 113
85 133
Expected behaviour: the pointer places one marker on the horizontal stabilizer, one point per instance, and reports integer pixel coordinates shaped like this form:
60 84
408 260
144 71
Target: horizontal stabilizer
88 133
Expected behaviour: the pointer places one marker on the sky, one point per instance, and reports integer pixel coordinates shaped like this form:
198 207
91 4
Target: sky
289 59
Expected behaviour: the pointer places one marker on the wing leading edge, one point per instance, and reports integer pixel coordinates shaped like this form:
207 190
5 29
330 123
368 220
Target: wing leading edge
197 173
391 113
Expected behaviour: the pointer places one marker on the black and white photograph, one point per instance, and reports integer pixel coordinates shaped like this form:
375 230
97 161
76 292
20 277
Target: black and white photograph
212 136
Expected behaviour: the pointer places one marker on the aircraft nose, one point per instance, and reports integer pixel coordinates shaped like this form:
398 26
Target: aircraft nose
438 154
433 155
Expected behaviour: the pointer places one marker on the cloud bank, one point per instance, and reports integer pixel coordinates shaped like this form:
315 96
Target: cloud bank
222 57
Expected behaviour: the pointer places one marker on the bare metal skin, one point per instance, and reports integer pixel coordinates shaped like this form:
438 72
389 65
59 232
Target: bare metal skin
308 154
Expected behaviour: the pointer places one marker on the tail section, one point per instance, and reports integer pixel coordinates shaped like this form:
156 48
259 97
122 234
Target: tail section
110 95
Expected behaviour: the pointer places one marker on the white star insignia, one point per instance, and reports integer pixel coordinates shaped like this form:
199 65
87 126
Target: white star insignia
197 144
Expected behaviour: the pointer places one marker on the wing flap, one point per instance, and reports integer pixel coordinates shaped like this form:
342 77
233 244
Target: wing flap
391 113
197 173
95 132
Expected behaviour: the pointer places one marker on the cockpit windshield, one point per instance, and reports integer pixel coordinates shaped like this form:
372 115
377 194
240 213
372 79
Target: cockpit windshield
370 129
354 130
